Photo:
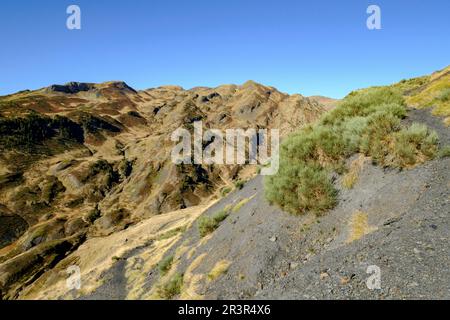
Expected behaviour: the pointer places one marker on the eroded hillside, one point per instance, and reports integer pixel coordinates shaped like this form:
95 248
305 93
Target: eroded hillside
81 161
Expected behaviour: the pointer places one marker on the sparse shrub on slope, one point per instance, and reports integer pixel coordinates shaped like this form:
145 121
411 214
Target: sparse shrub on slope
366 121
207 225
171 287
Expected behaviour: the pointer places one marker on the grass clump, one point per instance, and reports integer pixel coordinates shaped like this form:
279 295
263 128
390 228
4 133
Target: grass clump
165 265
366 121
239 184
225 191
241 203
444 152
219 269
171 288
171 233
359 226
444 95
207 225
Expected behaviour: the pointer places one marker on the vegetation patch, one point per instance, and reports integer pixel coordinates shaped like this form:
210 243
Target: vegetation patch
367 122
359 226
444 152
171 233
165 265
207 225
239 184
238 207
219 269
225 191
171 287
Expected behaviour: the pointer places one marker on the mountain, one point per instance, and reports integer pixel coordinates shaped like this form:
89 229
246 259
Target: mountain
328 103
362 191
82 161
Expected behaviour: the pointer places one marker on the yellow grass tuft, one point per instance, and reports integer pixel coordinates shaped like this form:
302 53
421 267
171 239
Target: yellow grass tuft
220 268
241 204
350 178
359 226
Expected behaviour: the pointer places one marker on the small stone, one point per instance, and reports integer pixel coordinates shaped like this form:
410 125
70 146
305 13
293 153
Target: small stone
293 265
273 239
324 275
416 251
345 280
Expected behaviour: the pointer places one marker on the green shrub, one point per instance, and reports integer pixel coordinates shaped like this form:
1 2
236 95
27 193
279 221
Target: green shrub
444 152
413 145
165 265
171 288
239 184
225 191
298 188
366 121
207 225
444 95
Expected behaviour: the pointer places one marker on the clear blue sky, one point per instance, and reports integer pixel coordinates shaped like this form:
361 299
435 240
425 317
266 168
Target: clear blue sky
307 47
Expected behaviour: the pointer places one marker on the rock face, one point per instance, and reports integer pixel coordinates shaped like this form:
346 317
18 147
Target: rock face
82 160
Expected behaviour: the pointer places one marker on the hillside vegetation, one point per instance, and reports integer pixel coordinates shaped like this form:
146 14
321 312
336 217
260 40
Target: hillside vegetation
366 121
432 91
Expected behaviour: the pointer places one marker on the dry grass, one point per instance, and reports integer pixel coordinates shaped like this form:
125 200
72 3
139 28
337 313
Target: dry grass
436 94
359 226
351 177
220 268
242 203
193 281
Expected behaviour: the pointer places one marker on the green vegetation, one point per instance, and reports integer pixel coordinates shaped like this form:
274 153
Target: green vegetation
444 152
444 95
171 288
239 184
366 121
171 233
165 265
225 191
207 225
241 203
429 92
33 129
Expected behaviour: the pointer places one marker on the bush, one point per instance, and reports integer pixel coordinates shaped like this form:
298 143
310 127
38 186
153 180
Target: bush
413 145
444 95
225 191
366 121
239 184
444 152
165 265
207 225
298 188
171 288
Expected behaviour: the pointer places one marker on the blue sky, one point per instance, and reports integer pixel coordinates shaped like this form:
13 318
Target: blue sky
307 47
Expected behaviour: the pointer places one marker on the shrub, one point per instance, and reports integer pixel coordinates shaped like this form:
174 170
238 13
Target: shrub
171 288
207 225
366 121
444 152
225 191
413 145
239 184
298 188
444 95
165 265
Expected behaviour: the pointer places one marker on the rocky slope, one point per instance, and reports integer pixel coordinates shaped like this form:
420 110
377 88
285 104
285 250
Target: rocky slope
103 196
82 161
